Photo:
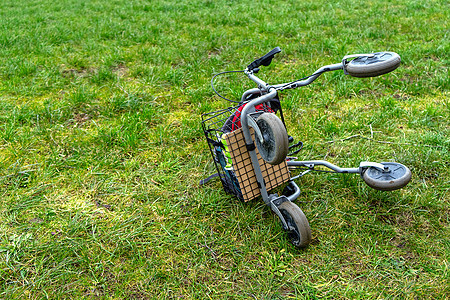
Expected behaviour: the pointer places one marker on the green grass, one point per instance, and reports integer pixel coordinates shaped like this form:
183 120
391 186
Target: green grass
101 150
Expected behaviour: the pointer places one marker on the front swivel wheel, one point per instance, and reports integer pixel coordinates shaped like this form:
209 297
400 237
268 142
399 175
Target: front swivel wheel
298 229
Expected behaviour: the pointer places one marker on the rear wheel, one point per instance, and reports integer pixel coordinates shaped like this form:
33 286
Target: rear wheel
298 229
380 63
394 177
275 145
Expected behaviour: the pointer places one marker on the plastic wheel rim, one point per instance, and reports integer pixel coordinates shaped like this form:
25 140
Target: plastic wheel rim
377 58
397 177
293 232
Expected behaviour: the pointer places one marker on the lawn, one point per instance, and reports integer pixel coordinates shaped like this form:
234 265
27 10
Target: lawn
102 151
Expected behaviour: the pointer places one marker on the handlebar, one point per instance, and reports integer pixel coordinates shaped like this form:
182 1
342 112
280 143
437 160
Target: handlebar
295 84
265 60
363 65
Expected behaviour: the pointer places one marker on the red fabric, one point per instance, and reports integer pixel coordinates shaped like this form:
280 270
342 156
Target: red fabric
237 115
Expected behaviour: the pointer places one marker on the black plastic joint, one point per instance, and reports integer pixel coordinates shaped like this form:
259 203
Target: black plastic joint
250 147
260 185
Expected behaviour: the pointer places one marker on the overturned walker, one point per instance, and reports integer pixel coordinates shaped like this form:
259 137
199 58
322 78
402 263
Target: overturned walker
250 145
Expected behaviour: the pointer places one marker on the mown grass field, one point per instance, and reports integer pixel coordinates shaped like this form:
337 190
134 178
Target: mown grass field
101 150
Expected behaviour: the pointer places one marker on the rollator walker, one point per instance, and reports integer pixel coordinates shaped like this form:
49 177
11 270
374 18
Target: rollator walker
253 153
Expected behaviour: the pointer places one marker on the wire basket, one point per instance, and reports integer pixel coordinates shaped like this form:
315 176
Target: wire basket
231 158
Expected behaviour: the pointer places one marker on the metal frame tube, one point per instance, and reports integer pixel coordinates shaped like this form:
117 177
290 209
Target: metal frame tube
296 193
249 141
249 92
263 86
312 163
311 78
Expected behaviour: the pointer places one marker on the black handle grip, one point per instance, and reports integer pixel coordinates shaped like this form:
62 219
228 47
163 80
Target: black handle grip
264 60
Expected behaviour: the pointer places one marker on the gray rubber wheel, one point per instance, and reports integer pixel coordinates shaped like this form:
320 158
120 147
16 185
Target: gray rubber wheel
299 231
275 145
381 63
395 178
